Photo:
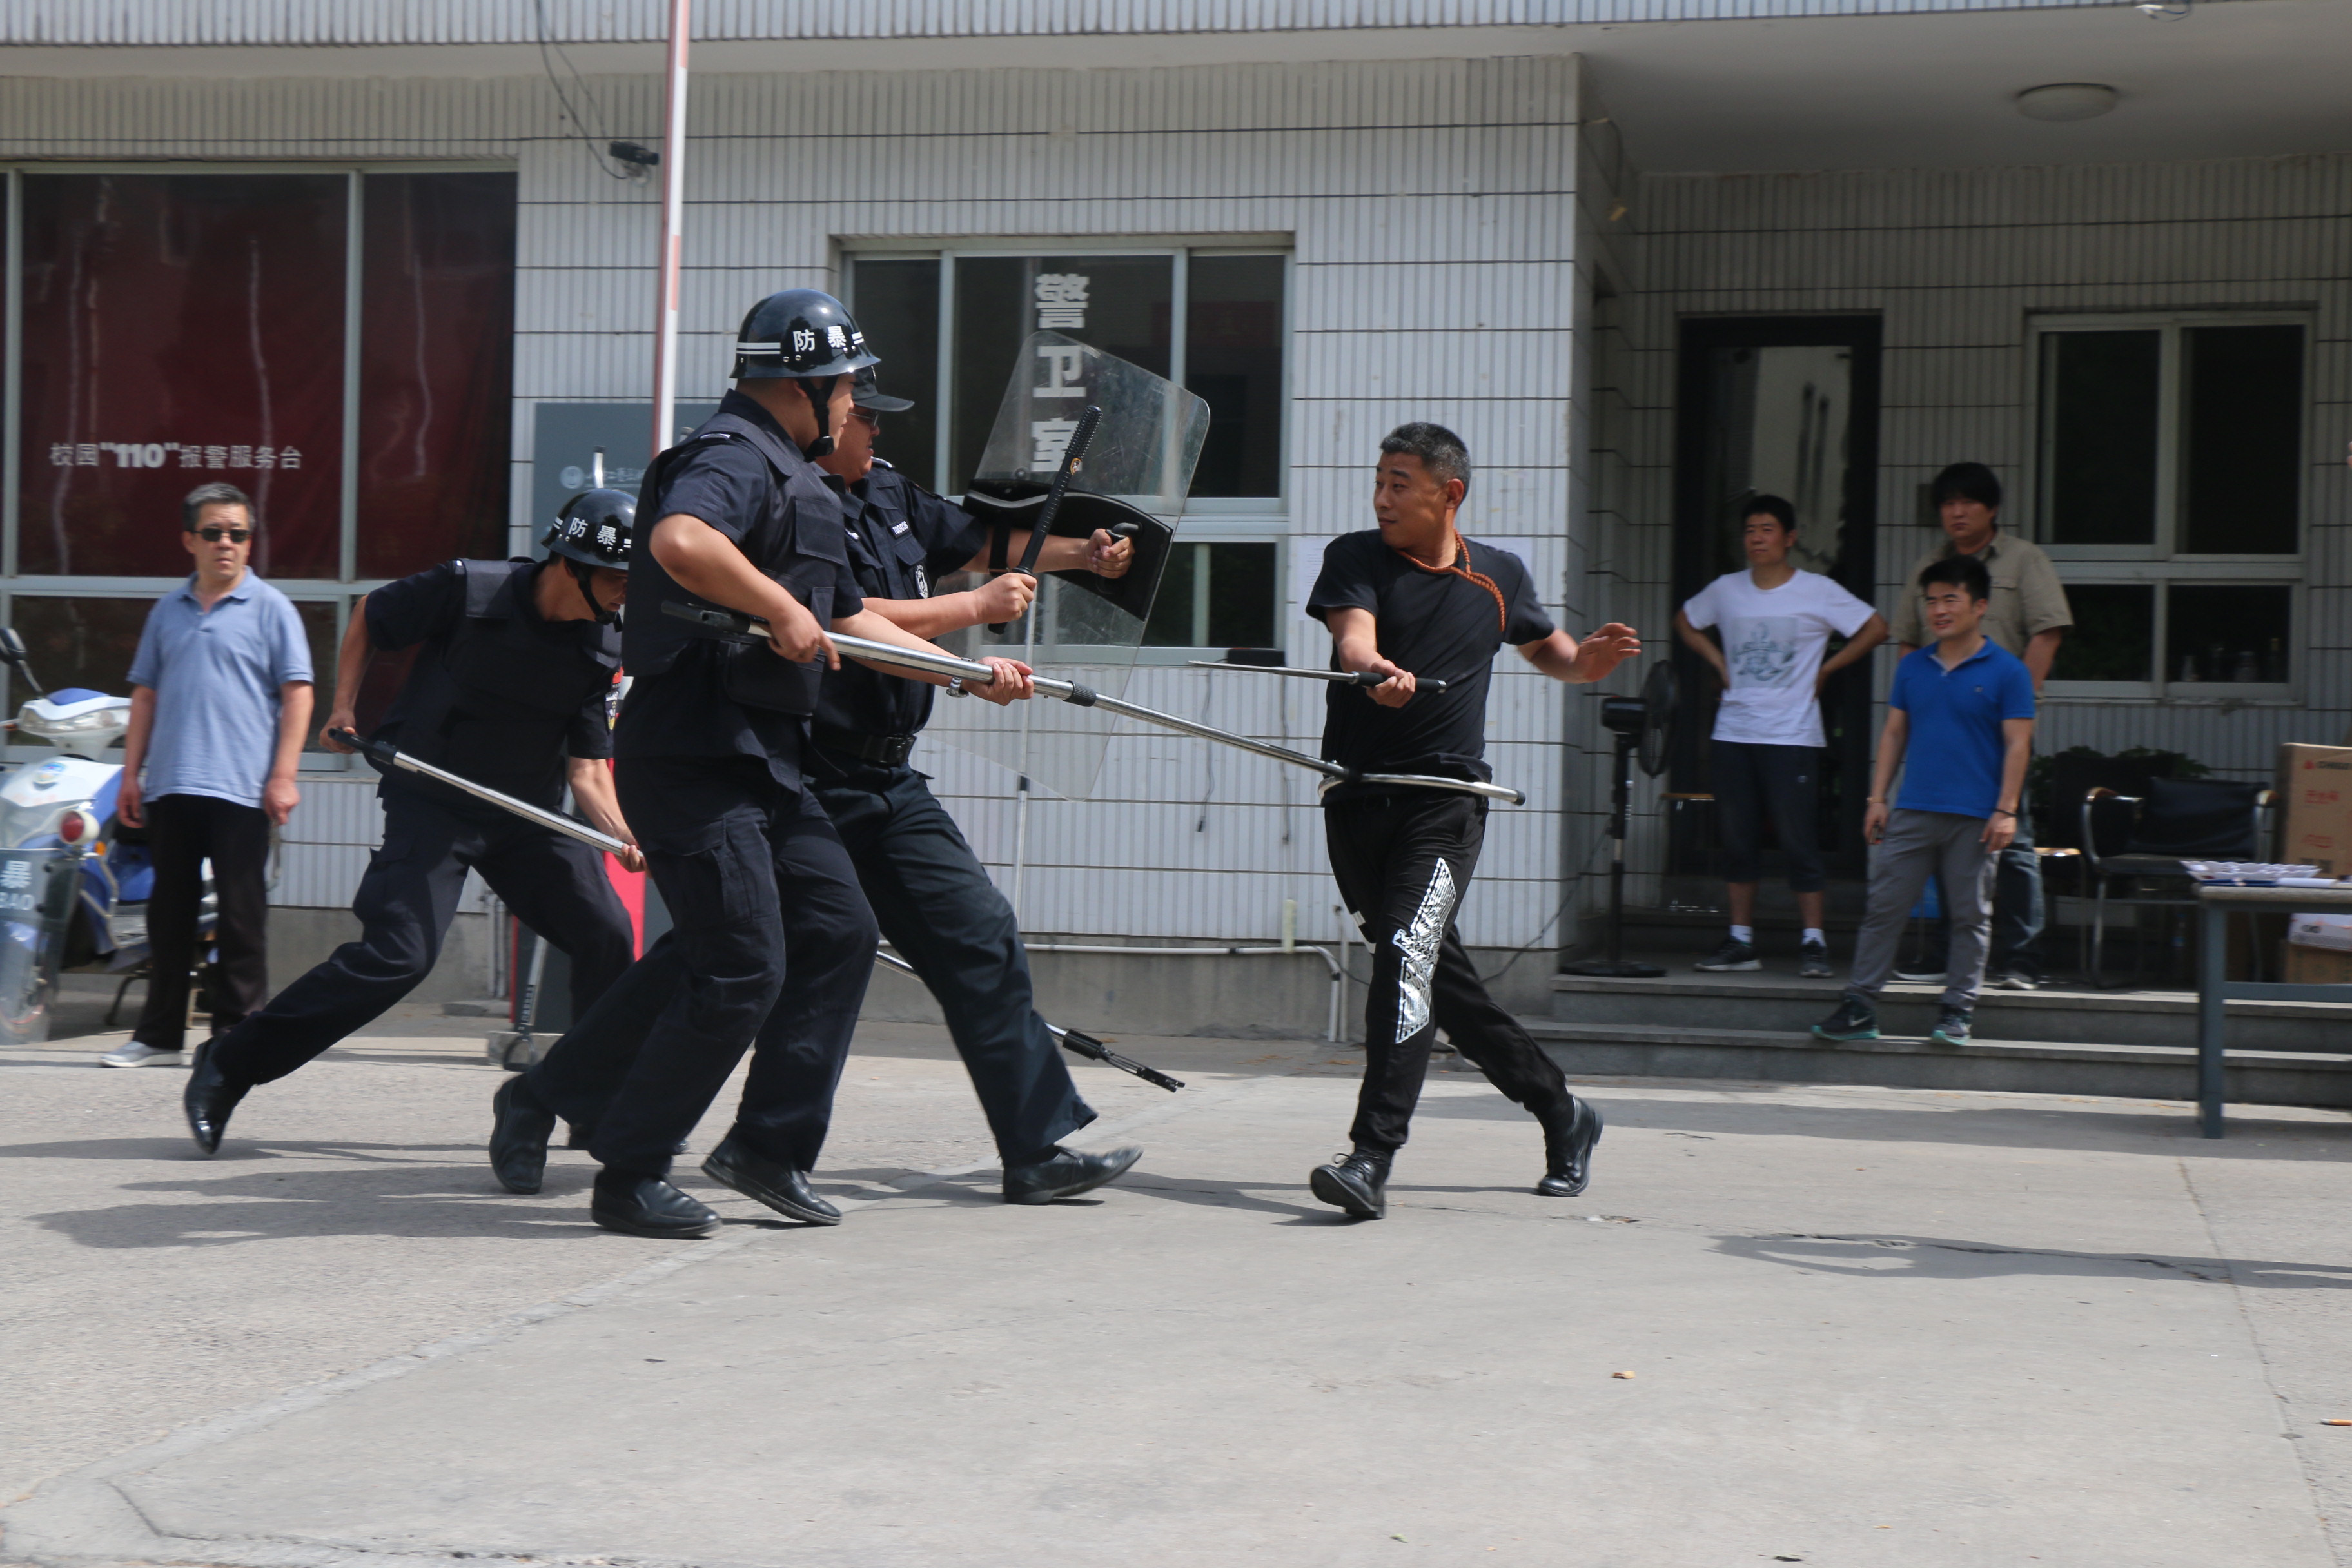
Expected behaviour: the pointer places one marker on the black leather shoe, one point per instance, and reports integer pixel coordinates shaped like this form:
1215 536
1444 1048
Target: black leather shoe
780 1187
648 1205
208 1099
1065 1173
1357 1182
1568 1152
520 1129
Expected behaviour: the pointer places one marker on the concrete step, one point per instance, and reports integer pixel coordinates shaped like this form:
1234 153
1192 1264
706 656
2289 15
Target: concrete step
2061 1016
2148 1073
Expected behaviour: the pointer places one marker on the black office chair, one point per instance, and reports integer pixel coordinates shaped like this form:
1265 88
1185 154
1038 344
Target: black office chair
2149 836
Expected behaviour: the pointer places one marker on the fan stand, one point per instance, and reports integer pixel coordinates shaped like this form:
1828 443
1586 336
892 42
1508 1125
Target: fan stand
1617 966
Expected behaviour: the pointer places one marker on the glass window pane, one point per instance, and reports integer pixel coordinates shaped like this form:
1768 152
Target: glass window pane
1120 304
2114 634
2228 634
1241 595
318 631
2099 397
437 369
1233 360
77 642
1172 611
898 307
2242 420
181 327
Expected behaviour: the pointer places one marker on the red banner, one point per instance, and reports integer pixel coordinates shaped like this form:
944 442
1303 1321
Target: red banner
180 329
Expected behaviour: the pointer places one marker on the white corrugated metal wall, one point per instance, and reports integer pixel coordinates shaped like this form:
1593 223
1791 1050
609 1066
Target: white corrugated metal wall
1426 205
1956 262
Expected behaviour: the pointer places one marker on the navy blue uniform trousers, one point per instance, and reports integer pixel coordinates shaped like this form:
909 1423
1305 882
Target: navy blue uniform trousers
770 950
938 908
555 885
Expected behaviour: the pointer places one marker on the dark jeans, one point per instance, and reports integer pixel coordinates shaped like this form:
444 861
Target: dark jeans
770 949
183 831
555 885
1402 863
1749 780
2017 910
938 908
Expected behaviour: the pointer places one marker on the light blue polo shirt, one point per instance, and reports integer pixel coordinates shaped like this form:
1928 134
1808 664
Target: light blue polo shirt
215 675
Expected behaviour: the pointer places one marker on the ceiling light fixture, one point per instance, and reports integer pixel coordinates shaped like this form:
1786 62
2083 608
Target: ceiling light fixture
2066 101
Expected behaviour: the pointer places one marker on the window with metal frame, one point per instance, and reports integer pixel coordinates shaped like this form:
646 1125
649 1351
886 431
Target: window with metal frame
947 322
2167 484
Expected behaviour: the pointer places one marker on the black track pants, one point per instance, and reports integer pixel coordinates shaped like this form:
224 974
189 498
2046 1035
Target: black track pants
555 885
1402 863
771 950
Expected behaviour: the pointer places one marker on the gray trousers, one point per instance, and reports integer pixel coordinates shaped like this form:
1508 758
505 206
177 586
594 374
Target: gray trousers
1918 845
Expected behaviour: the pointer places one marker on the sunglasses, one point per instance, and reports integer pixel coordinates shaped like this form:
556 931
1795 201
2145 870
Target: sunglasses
213 535
866 417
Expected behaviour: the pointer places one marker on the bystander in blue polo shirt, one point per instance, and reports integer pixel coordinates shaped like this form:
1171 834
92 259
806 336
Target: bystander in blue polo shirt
1952 758
216 674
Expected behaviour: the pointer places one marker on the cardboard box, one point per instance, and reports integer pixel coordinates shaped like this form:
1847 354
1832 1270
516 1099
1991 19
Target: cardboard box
2300 965
2315 787
2331 932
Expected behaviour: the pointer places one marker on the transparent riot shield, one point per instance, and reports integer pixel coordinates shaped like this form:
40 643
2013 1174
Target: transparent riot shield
1134 476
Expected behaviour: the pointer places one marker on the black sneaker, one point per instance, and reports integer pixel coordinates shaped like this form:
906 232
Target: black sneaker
1816 963
1855 1019
1951 1026
2014 980
1733 955
1920 975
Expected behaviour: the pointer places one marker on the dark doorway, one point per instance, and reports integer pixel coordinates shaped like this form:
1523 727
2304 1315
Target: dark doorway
1784 405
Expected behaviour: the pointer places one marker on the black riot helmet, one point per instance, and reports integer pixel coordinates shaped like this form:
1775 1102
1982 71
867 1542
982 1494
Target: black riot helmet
804 335
593 530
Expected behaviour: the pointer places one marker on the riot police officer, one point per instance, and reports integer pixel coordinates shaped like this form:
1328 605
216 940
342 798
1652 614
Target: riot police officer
773 942
517 659
935 903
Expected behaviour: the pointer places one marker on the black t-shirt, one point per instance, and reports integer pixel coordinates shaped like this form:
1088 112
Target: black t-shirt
677 705
427 608
903 540
1439 625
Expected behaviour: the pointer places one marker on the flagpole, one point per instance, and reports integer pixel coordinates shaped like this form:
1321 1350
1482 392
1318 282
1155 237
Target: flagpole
673 177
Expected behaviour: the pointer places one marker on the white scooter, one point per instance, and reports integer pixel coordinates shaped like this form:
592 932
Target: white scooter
74 879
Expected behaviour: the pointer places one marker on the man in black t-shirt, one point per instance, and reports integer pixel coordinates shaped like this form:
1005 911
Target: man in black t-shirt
515 661
1413 597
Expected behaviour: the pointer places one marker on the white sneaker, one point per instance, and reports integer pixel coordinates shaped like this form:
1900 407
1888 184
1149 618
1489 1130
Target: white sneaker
138 1053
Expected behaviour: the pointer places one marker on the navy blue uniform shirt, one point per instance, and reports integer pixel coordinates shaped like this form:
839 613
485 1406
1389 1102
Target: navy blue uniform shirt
677 706
904 539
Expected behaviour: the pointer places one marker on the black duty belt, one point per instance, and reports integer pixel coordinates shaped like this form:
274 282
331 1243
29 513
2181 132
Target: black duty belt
882 750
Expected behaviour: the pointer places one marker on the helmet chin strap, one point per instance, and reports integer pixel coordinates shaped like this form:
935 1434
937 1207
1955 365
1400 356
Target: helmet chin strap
820 396
585 575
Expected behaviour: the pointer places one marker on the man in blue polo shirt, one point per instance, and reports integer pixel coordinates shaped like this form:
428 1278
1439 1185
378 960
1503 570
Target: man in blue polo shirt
220 698
1964 706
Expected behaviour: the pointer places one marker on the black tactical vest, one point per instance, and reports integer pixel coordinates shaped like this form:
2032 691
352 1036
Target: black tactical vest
799 544
495 698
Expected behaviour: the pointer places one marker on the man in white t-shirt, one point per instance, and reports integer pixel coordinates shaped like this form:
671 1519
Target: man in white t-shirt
1774 623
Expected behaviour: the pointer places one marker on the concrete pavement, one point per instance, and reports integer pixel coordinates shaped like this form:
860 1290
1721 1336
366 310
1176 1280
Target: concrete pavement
1866 1326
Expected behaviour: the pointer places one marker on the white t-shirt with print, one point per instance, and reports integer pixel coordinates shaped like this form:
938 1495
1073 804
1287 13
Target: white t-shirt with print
1773 639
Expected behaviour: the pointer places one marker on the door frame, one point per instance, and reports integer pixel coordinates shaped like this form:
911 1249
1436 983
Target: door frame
1848 705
